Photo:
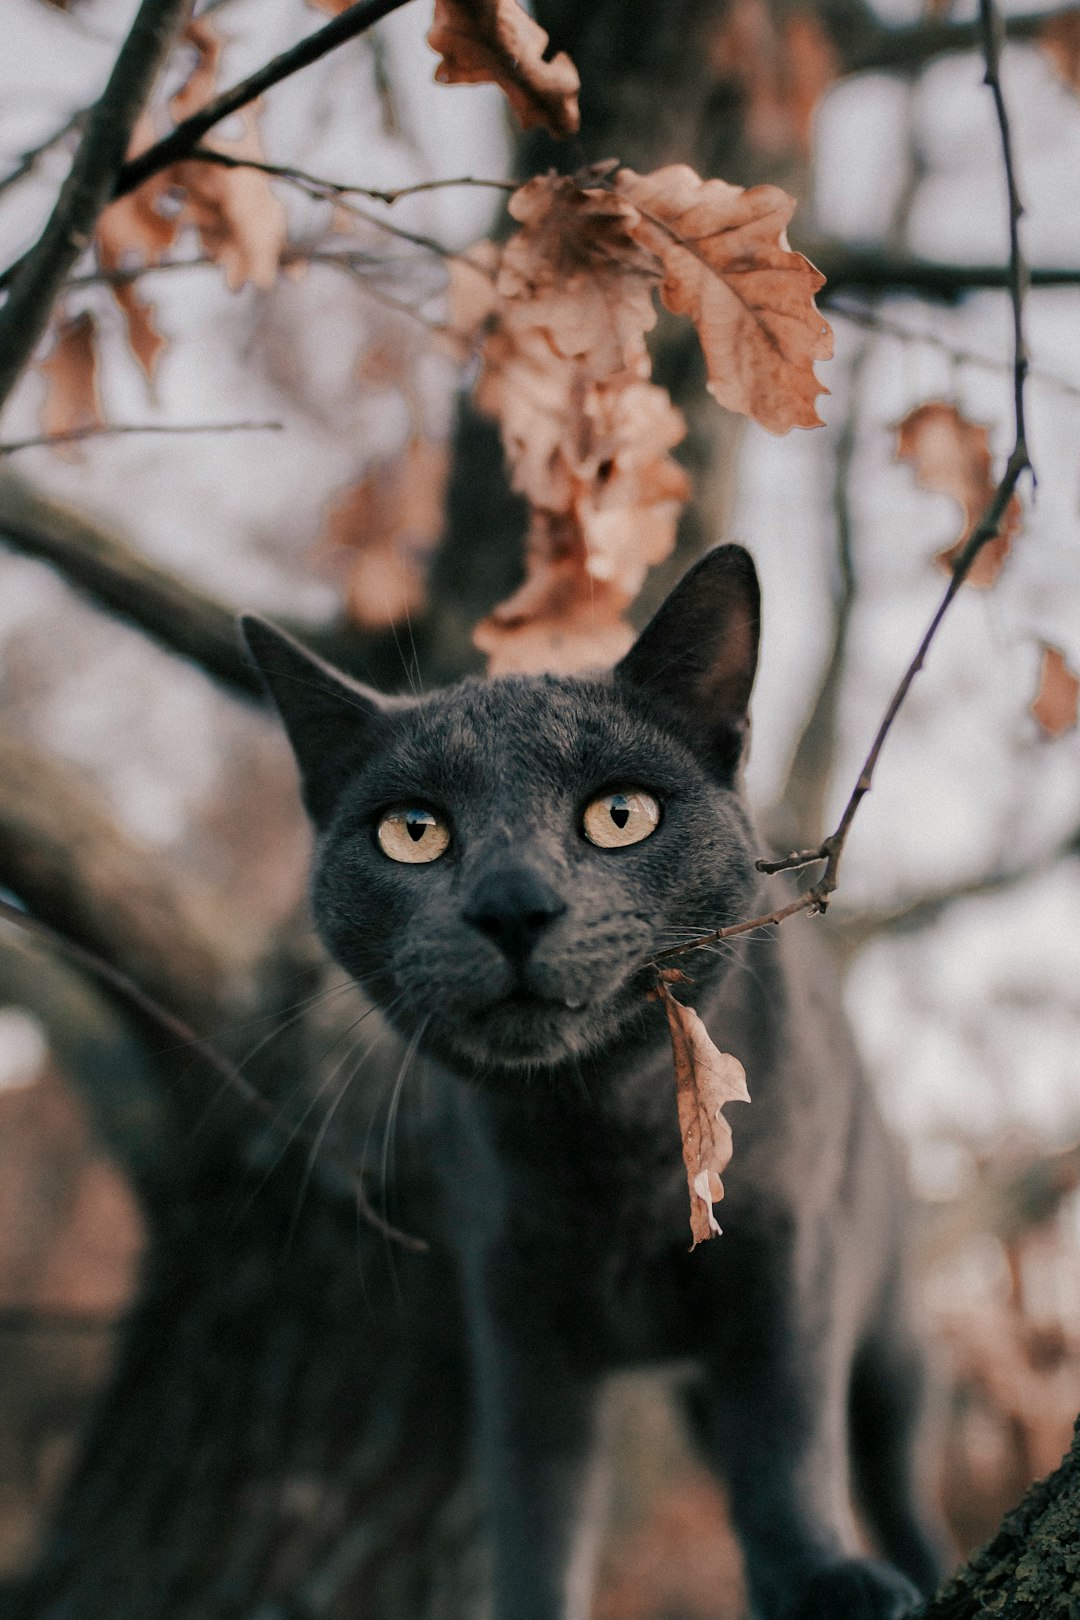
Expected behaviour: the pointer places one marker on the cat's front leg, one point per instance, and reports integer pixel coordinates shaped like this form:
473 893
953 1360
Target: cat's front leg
541 1476
772 1418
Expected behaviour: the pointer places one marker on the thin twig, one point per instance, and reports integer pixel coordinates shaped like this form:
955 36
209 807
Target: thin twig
88 185
29 160
870 320
114 429
186 136
316 185
831 850
805 902
213 1060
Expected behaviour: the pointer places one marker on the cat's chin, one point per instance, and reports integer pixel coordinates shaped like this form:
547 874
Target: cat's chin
521 1032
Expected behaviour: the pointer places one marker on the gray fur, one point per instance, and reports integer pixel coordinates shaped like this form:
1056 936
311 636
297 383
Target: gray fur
559 1149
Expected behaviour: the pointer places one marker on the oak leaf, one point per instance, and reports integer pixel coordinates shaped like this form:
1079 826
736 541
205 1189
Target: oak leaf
575 271
1057 702
70 371
951 456
705 1080
496 42
727 265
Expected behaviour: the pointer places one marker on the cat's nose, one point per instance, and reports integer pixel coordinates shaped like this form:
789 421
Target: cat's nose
513 908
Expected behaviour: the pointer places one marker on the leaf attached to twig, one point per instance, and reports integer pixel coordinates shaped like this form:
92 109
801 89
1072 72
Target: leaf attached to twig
951 456
1057 702
496 42
727 264
705 1080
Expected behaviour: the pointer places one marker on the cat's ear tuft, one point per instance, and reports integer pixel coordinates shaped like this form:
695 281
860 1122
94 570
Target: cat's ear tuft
332 721
697 656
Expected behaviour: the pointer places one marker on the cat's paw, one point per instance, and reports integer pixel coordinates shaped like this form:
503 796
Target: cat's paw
858 1589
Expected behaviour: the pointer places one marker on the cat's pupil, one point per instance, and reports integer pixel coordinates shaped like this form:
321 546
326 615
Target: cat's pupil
620 810
417 823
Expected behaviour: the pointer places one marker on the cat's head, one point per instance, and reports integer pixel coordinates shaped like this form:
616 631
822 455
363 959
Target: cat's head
498 862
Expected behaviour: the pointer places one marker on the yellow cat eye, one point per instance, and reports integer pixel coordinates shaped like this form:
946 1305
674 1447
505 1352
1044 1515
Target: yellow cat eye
617 819
412 834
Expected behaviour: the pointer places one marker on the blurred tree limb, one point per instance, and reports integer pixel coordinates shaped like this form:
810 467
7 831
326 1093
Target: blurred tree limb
88 187
63 855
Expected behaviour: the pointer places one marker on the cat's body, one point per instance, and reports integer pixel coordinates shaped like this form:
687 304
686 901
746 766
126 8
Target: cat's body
499 864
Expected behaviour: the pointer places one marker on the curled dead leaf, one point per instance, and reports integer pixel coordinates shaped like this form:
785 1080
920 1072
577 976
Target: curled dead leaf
70 371
496 42
574 271
727 264
705 1080
1057 703
951 456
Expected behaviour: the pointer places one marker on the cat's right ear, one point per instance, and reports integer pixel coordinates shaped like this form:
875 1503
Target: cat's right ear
697 656
331 720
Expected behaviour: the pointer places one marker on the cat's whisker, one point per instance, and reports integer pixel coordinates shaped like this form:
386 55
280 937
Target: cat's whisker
297 1126
388 1138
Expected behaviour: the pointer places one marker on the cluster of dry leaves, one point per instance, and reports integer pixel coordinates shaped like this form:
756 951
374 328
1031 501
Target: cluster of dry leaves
560 315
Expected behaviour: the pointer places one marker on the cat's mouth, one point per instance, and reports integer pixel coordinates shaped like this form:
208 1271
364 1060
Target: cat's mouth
520 996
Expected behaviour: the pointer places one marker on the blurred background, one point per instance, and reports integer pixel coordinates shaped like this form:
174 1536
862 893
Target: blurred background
148 806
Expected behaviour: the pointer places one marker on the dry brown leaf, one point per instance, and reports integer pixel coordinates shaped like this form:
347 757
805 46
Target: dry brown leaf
781 64
951 456
496 42
144 339
241 224
70 371
390 523
132 233
199 86
1059 41
705 1080
727 265
575 271
592 458
1057 701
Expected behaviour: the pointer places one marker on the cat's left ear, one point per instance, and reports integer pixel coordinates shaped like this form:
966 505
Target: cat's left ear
332 721
697 656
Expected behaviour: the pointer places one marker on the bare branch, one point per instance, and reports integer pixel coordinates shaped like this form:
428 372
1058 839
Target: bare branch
905 50
316 186
30 159
176 614
63 855
870 320
853 930
186 136
881 271
111 430
831 849
88 186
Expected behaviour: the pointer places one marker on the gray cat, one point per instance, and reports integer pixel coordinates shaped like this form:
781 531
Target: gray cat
497 864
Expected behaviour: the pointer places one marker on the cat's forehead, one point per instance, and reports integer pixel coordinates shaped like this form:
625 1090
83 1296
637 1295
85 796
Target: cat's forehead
536 728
